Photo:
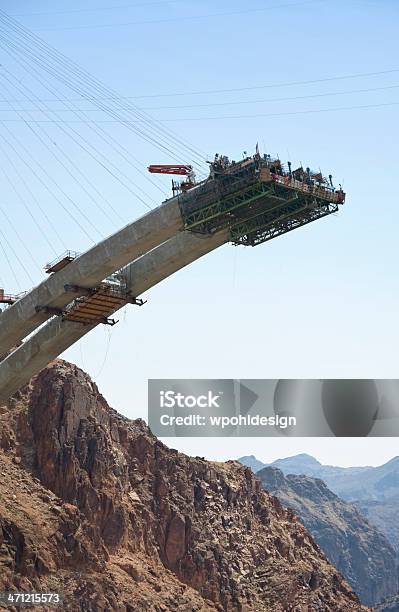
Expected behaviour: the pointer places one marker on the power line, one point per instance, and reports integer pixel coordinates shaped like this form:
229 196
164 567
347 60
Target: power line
112 142
85 78
180 19
77 169
32 195
85 81
70 161
9 261
11 248
304 112
271 100
231 90
25 205
42 182
63 165
285 114
270 85
19 237
97 9
210 104
67 80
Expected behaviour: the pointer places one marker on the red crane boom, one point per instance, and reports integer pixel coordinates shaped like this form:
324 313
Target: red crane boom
182 170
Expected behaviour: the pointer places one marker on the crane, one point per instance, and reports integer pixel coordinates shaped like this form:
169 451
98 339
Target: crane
176 169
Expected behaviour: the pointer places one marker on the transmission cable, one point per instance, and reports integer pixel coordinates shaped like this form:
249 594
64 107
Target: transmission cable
32 195
122 120
76 168
254 116
211 104
9 263
87 78
42 182
18 235
99 131
88 144
26 207
271 100
179 19
72 163
18 259
82 76
97 9
231 90
63 165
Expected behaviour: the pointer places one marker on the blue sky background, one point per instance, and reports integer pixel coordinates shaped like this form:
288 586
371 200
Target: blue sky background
319 302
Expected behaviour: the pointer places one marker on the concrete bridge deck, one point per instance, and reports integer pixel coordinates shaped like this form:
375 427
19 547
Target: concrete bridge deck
246 203
57 335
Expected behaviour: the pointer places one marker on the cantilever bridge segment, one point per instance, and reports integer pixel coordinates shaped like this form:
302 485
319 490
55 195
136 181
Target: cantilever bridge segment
246 203
58 334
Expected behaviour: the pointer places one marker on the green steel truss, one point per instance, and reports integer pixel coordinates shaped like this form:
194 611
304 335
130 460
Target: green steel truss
217 214
264 218
258 212
284 224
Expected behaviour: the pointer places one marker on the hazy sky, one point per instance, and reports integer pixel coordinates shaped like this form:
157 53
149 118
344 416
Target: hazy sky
319 302
345 452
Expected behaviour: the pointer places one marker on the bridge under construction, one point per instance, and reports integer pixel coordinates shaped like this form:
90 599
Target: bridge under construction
245 203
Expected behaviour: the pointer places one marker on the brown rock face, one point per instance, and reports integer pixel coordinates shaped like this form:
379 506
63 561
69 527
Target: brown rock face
109 515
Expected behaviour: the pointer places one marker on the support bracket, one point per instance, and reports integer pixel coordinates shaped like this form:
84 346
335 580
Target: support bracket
50 310
136 301
79 290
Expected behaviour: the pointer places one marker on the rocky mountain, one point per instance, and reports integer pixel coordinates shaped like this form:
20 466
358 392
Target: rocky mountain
353 483
92 504
300 464
373 490
388 605
384 515
252 462
358 550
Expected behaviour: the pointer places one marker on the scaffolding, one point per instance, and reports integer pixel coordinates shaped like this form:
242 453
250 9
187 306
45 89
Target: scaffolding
10 299
95 305
257 199
61 261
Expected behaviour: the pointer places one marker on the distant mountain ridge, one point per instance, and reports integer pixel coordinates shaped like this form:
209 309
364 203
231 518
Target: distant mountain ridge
252 462
388 605
352 484
357 549
374 491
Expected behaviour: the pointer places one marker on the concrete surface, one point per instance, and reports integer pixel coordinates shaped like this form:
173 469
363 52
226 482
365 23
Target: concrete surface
56 336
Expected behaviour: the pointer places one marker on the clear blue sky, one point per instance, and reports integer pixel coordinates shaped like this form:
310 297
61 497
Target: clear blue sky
318 302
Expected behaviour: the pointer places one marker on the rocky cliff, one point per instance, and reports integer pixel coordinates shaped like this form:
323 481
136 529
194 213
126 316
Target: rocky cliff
373 490
388 605
384 515
92 504
356 548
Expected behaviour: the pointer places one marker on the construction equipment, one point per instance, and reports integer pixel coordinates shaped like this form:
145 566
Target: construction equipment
177 169
61 261
8 298
93 306
257 199
253 200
